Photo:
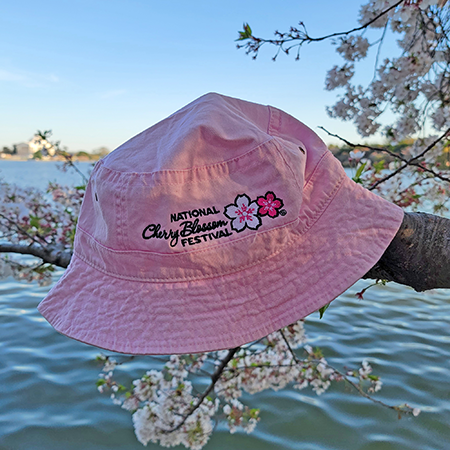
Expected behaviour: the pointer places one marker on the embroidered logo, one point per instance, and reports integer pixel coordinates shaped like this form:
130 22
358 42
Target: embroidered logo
247 214
243 214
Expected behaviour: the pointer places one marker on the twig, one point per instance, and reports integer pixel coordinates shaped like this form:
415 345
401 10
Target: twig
408 162
370 22
69 161
354 385
427 149
214 378
22 230
255 43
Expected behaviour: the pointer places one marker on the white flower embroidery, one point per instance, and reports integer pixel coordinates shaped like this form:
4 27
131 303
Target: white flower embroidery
243 214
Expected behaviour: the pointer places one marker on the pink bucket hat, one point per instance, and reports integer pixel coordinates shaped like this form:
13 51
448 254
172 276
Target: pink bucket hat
215 227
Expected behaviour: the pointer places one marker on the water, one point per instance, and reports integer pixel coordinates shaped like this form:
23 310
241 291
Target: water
48 398
39 173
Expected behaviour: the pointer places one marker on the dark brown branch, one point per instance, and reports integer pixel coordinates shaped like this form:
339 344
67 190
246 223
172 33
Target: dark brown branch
354 30
419 255
255 43
406 410
52 254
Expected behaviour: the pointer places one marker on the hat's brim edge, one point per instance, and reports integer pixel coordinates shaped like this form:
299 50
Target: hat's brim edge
118 315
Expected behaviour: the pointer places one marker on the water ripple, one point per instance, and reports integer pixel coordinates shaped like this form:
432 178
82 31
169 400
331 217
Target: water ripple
49 401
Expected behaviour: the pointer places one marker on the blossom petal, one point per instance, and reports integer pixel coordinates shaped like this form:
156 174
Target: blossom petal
238 224
231 211
276 203
252 208
261 201
273 212
253 222
242 200
270 196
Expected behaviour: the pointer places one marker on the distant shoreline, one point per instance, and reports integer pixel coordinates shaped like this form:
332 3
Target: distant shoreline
44 159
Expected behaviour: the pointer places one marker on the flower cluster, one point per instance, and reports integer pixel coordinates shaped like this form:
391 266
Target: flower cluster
29 216
398 81
166 409
245 213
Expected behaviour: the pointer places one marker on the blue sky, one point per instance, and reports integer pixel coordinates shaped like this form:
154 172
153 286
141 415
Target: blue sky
98 72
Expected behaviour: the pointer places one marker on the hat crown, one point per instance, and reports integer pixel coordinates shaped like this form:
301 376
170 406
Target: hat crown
208 191
210 130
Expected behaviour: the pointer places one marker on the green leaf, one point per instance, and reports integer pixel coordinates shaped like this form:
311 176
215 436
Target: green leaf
379 166
44 268
323 309
318 352
357 177
101 382
34 221
246 34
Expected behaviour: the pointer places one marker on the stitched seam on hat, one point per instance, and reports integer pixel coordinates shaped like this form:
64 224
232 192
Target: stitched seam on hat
119 203
184 279
146 252
184 182
274 115
247 336
193 169
322 158
287 164
323 208
273 131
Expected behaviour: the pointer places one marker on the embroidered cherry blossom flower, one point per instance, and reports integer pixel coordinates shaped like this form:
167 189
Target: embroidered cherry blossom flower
243 213
269 204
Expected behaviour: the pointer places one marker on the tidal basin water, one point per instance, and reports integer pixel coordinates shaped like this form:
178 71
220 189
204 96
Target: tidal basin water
49 401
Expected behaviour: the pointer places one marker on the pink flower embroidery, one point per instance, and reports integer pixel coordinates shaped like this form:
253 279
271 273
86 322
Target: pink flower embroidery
243 214
269 205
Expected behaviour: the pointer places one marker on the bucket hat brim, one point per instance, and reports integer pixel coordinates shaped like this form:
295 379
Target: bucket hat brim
316 265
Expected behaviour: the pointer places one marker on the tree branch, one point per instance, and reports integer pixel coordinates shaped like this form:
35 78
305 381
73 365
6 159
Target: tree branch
52 254
408 162
24 232
419 255
295 34
362 27
214 379
358 388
